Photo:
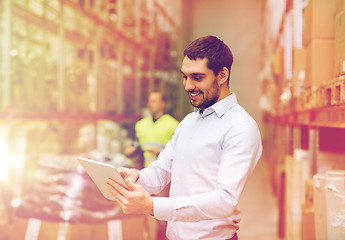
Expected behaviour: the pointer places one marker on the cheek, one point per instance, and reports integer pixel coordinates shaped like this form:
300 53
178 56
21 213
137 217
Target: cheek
206 88
211 89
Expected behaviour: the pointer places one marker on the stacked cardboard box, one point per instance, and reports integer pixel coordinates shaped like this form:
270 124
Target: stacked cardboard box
319 35
339 49
320 61
298 79
308 217
297 171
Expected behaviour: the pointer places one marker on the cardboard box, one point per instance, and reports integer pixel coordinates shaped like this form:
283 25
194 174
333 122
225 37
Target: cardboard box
298 80
308 224
278 66
339 45
319 20
319 62
297 171
335 194
340 6
320 206
309 195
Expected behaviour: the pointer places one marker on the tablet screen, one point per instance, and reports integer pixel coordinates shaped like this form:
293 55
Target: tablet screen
99 172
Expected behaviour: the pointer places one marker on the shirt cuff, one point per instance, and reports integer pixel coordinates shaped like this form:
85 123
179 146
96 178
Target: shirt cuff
163 208
141 178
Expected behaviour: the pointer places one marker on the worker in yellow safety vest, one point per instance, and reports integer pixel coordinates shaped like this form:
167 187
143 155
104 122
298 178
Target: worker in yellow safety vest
154 132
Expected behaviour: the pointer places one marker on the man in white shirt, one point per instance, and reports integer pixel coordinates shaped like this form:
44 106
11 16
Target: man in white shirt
208 160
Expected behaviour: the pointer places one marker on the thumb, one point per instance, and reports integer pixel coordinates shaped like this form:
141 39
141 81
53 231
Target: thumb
131 184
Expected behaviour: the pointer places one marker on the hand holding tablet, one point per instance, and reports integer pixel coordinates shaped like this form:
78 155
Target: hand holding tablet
100 172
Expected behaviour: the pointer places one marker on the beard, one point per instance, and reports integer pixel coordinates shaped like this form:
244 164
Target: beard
209 97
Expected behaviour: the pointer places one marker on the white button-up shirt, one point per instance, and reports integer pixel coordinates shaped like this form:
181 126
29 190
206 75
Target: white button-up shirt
208 161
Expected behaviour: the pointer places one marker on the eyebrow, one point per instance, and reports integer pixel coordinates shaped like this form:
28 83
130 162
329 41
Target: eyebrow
198 74
194 74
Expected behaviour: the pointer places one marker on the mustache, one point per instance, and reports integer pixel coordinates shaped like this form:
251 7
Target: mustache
194 91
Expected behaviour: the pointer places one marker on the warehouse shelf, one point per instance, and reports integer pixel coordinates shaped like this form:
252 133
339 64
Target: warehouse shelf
75 76
333 117
79 63
133 40
303 79
61 116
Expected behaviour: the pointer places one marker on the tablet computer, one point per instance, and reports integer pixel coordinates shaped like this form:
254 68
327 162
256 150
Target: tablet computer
99 172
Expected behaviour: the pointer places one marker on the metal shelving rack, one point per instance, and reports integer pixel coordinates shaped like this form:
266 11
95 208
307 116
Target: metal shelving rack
320 106
303 117
84 61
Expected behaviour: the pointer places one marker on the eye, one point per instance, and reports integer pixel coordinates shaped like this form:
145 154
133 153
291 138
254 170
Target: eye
197 78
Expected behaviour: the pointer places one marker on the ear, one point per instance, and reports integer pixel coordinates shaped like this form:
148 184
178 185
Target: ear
163 104
223 76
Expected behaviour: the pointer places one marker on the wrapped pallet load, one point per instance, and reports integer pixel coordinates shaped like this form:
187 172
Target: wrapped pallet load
319 205
329 192
335 203
64 203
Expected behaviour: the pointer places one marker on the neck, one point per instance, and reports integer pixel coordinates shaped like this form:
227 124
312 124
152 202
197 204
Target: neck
157 115
225 93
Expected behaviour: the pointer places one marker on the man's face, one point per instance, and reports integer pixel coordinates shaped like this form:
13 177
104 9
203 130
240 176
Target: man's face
200 83
155 103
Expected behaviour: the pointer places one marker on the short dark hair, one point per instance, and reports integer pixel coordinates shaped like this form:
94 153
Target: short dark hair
214 50
163 98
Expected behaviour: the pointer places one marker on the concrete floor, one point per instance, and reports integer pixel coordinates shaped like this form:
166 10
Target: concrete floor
259 207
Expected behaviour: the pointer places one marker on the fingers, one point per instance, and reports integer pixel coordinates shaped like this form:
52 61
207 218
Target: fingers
119 199
115 186
131 184
131 174
119 194
136 200
122 196
122 171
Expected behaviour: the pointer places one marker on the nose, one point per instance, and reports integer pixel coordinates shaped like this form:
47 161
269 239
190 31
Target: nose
188 85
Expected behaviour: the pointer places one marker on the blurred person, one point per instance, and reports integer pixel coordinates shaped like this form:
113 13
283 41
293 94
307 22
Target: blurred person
153 133
208 160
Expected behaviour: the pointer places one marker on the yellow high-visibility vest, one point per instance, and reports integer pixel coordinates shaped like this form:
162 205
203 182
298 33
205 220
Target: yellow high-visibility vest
154 134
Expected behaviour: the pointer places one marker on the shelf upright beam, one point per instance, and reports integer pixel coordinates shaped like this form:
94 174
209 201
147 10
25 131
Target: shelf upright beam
296 137
152 50
138 58
313 148
152 36
6 53
94 78
61 104
120 99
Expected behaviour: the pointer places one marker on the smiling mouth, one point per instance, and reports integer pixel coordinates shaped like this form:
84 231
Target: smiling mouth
194 94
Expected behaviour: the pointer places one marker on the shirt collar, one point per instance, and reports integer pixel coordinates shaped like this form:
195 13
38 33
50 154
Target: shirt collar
220 107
